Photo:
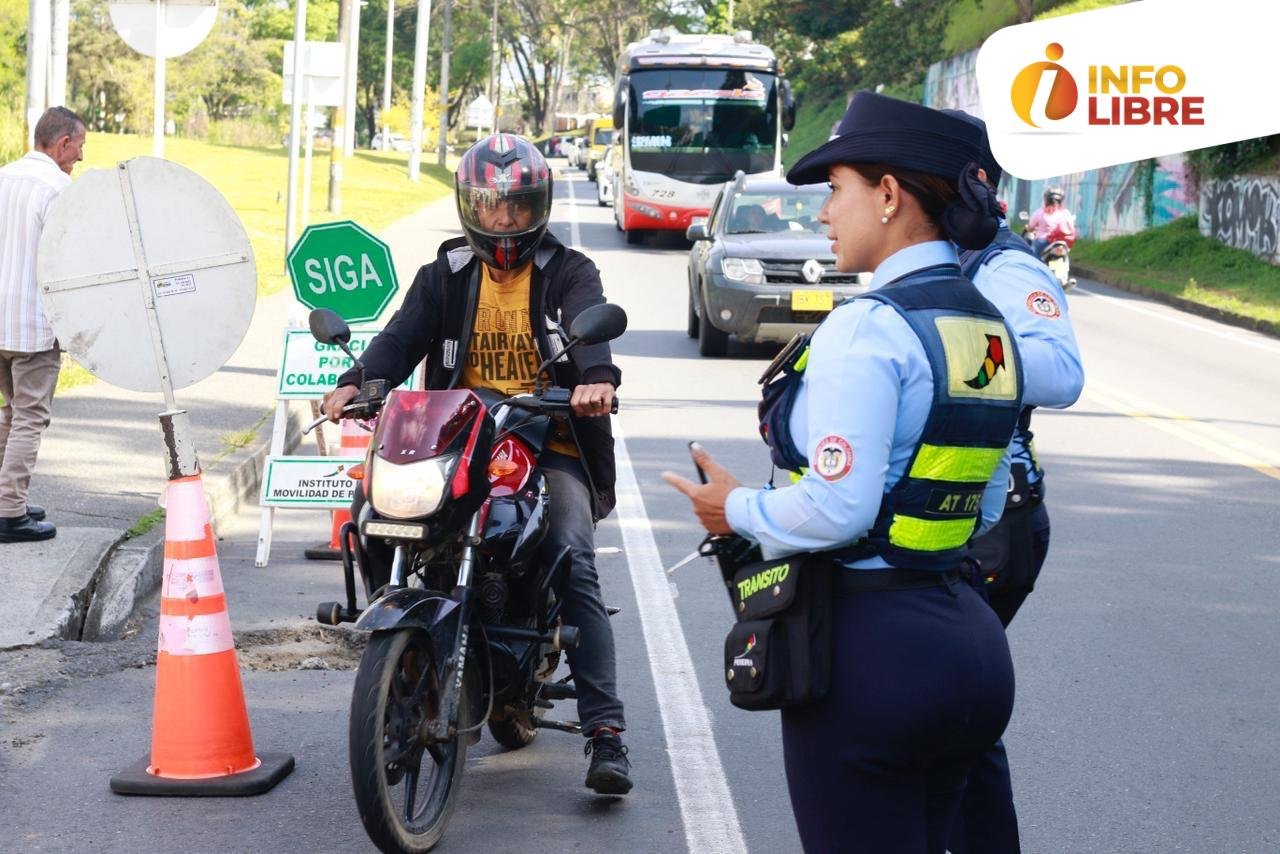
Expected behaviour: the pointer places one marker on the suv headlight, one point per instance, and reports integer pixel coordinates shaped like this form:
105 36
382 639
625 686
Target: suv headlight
409 491
747 270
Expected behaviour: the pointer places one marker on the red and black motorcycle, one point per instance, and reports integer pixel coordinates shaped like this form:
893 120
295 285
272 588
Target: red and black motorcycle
468 630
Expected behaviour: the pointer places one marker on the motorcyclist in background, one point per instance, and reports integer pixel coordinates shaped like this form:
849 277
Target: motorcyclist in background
1052 222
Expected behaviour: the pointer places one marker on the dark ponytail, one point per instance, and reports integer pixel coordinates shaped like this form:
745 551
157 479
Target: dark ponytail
972 223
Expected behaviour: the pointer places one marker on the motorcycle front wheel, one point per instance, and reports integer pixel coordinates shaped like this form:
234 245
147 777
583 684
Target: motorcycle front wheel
405 784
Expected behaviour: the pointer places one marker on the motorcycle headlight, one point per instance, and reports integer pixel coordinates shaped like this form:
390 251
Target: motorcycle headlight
747 270
412 490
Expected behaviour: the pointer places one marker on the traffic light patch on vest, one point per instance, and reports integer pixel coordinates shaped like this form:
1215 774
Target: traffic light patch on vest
980 362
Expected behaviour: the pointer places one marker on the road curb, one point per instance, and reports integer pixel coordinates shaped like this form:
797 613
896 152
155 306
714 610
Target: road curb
131 571
1265 327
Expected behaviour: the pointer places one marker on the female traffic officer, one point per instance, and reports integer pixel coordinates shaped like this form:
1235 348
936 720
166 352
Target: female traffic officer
895 426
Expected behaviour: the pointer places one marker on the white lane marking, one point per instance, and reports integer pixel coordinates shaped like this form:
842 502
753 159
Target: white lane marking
1239 336
706 804
575 236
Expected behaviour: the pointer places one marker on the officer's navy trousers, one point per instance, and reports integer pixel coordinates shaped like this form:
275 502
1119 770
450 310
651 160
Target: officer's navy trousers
922 686
988 821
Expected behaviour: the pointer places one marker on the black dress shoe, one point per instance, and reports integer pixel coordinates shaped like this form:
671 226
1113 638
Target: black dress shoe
35 511
24 529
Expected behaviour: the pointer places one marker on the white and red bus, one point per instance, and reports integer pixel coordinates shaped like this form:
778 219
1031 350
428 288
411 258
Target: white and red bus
694 110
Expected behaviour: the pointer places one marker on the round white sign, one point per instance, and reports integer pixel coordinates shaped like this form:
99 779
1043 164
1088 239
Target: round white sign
146 261
185 25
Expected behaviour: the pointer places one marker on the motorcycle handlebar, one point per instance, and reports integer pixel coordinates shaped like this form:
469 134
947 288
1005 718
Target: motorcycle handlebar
346 410
554 401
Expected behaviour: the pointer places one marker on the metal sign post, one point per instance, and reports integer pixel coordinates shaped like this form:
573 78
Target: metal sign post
313 77
299 39
419 84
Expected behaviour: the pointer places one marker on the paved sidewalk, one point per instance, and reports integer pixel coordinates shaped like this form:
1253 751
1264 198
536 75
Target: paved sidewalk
101 468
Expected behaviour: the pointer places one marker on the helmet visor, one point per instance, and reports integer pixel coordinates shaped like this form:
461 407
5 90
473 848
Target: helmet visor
498 213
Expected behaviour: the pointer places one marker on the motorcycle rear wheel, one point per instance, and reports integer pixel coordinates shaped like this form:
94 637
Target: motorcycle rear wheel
405 788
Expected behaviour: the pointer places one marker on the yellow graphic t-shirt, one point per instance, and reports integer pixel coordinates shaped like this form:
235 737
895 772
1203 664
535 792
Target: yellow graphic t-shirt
503 354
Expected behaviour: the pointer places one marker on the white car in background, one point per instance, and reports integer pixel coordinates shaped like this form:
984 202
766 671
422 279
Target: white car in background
572 149
604 182
396 142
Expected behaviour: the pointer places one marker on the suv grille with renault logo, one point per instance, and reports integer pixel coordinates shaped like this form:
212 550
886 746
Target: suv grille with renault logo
791 272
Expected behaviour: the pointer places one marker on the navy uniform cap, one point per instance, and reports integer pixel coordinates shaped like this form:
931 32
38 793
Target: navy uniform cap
988 161
876 129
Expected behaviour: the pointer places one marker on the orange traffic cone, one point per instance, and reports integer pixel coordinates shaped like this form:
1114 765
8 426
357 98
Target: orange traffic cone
355 443
200 738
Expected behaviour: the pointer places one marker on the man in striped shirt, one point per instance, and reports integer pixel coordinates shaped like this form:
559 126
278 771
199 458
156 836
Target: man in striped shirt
29 354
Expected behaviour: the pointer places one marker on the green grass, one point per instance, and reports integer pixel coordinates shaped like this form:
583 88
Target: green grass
813 125
973 20
145 523
234 441
375 189
1177 259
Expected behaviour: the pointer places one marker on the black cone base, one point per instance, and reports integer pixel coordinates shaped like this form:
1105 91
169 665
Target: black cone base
324 552
135 780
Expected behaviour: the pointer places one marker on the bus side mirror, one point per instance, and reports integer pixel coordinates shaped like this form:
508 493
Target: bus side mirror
788 105
620 101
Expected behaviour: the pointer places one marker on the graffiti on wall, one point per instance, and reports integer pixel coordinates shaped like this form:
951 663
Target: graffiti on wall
1244 213
1106 202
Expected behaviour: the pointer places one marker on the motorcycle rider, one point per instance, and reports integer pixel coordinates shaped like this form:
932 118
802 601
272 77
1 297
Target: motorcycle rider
1052 221
1012 552
482 315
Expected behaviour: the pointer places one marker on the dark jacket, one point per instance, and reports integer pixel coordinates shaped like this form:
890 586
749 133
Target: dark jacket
437 317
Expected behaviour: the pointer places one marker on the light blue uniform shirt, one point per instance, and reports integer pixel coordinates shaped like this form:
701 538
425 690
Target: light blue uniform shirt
1031 299
868 382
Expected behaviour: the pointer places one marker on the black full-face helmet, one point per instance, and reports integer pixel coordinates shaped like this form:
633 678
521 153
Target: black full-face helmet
1053 196
504 199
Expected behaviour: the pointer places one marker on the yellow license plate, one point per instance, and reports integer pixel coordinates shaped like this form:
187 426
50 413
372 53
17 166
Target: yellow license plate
812 300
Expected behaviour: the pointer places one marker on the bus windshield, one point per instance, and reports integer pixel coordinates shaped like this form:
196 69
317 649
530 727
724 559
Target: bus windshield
703 125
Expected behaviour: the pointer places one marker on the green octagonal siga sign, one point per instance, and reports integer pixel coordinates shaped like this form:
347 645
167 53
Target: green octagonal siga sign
343 267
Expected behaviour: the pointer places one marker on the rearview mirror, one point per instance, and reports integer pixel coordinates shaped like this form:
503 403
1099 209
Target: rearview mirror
1022 215
599 323
328 328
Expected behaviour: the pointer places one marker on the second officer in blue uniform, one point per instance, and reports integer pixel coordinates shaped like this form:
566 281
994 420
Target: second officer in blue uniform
894 422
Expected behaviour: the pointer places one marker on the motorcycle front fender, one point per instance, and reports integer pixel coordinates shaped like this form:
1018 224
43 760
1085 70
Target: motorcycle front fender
408 606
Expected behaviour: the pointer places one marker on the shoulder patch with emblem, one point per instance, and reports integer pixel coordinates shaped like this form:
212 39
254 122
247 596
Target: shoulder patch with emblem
833 458
1042 304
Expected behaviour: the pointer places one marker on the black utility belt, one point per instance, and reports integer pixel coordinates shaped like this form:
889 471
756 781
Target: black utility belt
778 655
874 580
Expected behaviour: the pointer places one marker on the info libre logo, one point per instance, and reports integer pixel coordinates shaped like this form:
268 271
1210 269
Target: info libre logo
1117 95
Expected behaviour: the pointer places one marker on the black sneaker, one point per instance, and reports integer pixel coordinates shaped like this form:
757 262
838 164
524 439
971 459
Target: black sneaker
608 774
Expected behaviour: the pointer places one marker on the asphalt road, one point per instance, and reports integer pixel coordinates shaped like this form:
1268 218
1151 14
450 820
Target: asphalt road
1146 661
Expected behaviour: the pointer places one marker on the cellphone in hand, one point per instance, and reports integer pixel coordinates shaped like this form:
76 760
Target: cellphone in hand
702 476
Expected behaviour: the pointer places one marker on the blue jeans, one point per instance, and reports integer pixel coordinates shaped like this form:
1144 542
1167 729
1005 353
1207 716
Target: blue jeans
593 663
